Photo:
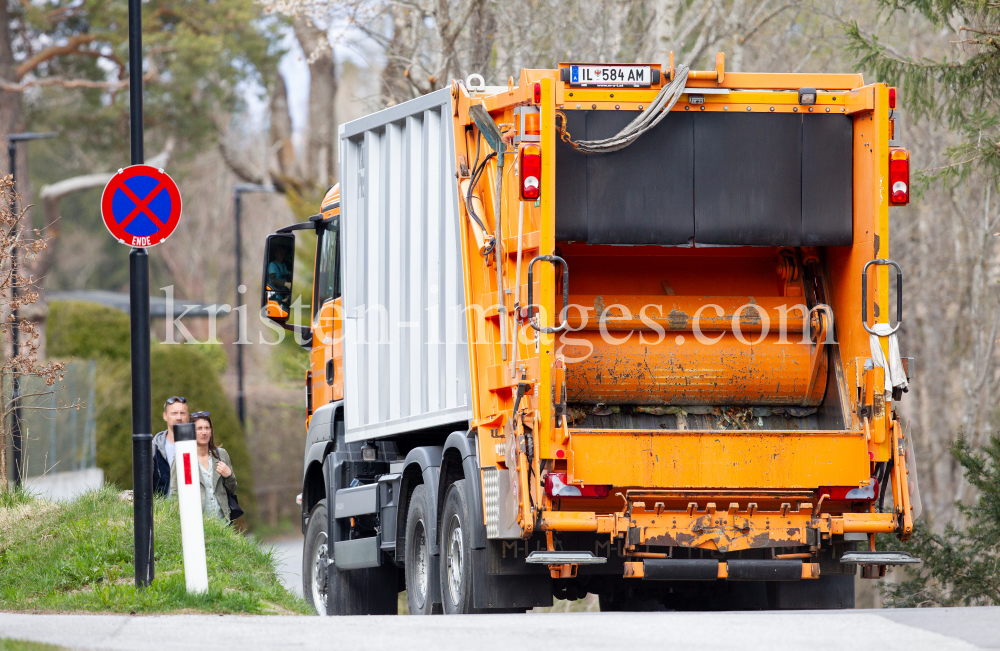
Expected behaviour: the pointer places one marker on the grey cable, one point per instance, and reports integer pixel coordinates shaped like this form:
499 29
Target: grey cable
643 122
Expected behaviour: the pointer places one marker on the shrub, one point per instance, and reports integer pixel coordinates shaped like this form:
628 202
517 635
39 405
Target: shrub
86 331
962 564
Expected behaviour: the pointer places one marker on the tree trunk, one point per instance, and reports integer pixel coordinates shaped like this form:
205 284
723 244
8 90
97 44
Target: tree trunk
321 137
284 165
662 32
482 28
395 87
11 107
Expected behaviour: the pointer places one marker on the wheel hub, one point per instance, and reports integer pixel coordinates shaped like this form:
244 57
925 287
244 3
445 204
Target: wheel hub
455 560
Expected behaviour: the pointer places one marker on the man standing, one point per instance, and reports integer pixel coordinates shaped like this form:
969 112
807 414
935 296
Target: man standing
175 411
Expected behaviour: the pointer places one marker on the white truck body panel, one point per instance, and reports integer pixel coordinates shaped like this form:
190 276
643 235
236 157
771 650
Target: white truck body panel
406 363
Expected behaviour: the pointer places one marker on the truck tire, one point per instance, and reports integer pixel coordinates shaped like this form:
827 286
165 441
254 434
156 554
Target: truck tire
456 552
418 555
314 560
828 592
371 591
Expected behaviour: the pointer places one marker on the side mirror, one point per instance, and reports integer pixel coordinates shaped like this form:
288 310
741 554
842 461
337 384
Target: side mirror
276 292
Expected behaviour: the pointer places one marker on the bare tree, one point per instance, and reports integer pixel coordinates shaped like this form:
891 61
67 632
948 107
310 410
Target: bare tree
11 102
320 154
311 24
424 48
17 291
695 31
947 242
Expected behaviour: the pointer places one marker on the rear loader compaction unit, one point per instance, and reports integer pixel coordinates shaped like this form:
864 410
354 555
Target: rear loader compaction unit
613 329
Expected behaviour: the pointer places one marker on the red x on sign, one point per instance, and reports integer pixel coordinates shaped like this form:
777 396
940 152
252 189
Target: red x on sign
141 206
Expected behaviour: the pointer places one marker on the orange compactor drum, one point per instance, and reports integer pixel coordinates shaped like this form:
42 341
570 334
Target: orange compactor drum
693 373
742 350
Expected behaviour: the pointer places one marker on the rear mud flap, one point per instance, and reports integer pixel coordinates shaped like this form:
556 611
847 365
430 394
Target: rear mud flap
507 591
828 592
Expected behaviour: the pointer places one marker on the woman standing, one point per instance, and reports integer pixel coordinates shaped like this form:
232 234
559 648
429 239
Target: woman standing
215 469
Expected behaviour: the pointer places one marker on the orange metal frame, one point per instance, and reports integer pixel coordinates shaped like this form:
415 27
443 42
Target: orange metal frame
756 478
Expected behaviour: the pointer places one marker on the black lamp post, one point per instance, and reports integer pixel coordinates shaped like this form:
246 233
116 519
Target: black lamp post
237 194
138 274
15 429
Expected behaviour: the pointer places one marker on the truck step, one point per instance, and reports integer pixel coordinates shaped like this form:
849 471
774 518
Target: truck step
357 554
565 558
880 558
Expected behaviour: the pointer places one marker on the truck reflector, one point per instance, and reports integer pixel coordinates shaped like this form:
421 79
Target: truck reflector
537 92
556 486
531 127
899 177
531 172
892 97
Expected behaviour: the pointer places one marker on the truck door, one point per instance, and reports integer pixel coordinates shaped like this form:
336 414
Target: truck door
326 359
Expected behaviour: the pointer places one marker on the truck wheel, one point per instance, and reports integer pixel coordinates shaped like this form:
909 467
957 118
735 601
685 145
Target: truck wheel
456 552
371 591
314 560
418 555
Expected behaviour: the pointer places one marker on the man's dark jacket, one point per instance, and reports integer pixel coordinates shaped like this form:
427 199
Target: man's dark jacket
161 467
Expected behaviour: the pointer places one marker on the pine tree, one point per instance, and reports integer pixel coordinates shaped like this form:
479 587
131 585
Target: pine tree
961 91
961 565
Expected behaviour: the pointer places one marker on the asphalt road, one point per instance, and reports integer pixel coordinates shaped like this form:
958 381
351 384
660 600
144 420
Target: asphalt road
288 557
937 629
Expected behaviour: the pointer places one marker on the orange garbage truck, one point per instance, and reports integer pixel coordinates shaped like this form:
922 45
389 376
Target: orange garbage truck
626 330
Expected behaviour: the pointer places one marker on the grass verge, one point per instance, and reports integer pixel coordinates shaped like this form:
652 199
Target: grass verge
25 645
78 556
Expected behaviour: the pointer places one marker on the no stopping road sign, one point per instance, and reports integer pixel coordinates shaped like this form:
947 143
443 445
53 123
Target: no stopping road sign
141 206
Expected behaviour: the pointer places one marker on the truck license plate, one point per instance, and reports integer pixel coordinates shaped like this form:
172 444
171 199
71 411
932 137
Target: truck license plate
611 76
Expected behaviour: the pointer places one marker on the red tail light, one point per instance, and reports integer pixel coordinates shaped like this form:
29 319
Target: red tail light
537 91
531 172
850 493
556 486
899 177
892 98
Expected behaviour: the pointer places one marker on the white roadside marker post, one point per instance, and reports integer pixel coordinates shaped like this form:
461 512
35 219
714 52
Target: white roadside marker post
189 500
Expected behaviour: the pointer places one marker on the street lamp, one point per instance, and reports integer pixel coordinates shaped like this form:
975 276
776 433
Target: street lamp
237 193
15 429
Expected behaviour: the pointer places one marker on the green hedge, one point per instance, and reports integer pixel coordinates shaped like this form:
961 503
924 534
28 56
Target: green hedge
86 331
92 331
